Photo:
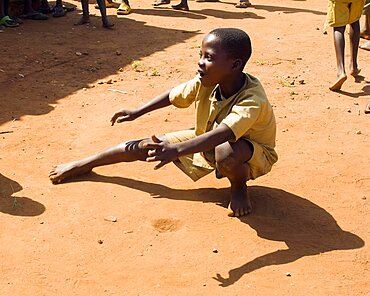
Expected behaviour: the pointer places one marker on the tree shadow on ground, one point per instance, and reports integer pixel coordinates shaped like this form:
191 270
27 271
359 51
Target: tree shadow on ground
271 8
287 9
199 14
17 205
44 62
278 215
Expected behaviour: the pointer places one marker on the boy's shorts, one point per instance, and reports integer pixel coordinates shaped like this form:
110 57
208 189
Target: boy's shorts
344 12
258 163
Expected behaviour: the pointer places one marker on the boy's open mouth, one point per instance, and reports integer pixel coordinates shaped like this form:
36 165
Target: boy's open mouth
201 73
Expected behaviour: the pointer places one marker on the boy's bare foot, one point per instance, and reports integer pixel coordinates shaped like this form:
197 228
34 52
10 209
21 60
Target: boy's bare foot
82 20
338 83
67 170
240 203
181 7
365 46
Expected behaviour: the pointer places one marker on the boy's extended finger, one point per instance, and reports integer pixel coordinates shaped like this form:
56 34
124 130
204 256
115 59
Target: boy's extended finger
121 119
161 164
152 153
152 158
152 146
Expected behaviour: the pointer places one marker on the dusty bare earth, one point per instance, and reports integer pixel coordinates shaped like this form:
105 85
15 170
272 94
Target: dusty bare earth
309 232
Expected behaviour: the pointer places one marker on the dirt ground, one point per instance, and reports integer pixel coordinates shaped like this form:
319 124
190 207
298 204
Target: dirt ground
309 232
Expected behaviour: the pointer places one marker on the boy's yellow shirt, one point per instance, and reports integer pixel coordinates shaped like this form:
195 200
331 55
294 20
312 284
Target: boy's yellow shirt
248 113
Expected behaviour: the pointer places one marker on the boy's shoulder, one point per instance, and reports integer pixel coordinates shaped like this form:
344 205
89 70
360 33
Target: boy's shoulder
253 81
253 88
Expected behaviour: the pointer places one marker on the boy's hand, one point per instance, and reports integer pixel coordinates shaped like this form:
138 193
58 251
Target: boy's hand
124 115
160 151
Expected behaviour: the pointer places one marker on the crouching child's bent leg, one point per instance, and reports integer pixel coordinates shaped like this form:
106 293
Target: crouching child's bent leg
125 152
232 162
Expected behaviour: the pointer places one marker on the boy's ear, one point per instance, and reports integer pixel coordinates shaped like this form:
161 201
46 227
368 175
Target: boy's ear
237 64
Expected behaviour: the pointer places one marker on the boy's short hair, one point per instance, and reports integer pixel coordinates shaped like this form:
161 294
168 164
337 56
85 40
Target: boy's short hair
236 42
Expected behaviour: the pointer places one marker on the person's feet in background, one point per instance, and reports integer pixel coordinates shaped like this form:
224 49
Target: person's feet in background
5 19
124 8
183 5
365 33
243 4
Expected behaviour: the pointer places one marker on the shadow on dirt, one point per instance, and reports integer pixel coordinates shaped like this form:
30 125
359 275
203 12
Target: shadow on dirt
17 205
287 9
278 215
199 14
44 62
365 92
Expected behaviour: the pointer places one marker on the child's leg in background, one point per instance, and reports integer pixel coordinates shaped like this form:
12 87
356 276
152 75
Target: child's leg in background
354 35
339 45
103 12
85 18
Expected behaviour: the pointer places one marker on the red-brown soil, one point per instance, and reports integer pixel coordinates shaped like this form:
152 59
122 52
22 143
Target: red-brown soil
309 232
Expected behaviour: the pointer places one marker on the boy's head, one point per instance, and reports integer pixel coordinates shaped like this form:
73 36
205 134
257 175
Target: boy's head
224 53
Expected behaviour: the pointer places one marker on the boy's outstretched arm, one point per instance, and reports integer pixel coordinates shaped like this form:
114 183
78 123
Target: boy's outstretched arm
158 102
165 152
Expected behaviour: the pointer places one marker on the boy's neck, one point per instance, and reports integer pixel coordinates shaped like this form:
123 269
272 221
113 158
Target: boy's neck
233 85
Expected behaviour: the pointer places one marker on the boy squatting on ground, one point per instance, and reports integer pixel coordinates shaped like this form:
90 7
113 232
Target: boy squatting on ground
342 13
235 125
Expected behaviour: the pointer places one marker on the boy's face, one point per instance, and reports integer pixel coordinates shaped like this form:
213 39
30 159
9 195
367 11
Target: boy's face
215 66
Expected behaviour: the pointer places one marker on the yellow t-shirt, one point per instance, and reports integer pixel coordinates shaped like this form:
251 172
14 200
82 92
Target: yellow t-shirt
248 113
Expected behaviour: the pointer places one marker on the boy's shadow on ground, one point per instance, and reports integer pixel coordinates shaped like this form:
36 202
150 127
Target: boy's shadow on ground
17 205
306 228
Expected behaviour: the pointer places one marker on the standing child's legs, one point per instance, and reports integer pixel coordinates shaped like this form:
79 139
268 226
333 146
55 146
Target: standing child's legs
125 152
103 12
231 162
339 44
85 18
365 33
354 35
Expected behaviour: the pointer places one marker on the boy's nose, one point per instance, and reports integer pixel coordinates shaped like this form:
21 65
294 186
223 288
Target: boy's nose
200 62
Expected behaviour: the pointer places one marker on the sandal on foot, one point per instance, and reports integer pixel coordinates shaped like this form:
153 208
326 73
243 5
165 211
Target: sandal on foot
68 7
180 7
45 9
124 9
108 5
37 16
16 19
161 2
8 22
243 4
59 11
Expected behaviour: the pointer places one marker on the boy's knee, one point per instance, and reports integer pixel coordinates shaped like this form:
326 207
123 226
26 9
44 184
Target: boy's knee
227 160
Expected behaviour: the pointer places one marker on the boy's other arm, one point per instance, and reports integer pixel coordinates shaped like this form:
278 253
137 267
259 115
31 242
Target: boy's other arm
165 152
158 102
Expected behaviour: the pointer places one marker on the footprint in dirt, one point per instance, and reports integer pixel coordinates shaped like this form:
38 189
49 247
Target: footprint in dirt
166 225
